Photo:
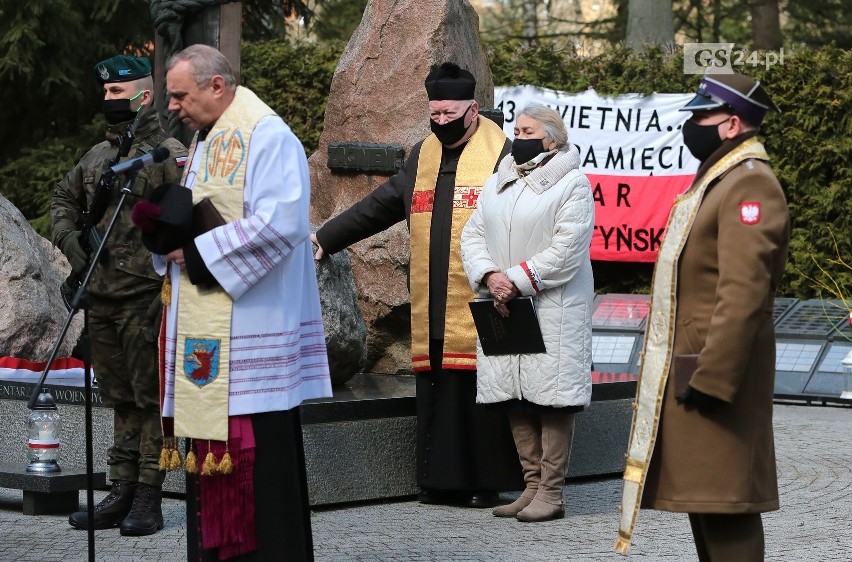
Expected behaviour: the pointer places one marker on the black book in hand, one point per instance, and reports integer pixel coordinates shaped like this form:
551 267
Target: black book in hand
519 333
205 217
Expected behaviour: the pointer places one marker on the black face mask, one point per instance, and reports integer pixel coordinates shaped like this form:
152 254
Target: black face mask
118 111
701 140
450 132
524 150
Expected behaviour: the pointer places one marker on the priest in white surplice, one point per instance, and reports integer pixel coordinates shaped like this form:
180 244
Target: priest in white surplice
243 342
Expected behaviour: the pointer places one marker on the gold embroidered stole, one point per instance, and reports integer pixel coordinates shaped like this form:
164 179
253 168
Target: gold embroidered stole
476 164
659 339
204 315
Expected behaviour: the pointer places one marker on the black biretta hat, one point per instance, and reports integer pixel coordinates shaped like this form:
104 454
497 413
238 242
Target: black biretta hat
450 82
165 219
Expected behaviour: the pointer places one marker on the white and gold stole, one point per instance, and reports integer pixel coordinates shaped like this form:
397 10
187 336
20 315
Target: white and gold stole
659 339
204 315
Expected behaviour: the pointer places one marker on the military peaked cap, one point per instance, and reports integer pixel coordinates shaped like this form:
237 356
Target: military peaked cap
735 91
450 82
122 68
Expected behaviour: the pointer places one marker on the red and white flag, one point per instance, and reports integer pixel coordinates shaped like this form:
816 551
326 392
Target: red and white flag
17 369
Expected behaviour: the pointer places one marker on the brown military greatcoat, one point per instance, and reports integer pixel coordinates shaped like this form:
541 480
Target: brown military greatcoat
723 460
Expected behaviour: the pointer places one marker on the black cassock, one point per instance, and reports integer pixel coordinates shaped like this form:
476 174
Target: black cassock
281 512
461 446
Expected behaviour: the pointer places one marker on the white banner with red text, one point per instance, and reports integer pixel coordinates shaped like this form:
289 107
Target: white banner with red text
632 151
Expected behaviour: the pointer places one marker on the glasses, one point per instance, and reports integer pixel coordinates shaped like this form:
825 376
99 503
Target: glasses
436 114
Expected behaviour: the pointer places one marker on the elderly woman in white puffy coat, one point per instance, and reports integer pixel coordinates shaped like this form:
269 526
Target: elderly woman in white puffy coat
530 235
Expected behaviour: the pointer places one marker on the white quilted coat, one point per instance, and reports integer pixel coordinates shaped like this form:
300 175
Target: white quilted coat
537 229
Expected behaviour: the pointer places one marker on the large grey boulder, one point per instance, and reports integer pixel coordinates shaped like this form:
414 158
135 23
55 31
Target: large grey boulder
31 308
345 330
377 96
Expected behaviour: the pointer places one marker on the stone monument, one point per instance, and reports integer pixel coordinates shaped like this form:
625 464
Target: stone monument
377 97
31 309
345 330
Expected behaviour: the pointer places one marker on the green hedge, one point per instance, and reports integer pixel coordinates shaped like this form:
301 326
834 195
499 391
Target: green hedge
29 180
294 79
810 143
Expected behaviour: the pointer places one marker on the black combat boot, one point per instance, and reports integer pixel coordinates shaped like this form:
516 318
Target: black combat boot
111 510
146 516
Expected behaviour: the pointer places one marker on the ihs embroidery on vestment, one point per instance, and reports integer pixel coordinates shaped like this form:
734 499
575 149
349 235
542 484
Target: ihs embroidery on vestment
225 154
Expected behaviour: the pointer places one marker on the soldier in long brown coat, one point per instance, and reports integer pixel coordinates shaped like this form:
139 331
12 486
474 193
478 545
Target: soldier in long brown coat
702 437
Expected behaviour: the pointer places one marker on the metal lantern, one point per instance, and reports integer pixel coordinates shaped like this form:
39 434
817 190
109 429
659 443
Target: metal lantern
847 375
43 427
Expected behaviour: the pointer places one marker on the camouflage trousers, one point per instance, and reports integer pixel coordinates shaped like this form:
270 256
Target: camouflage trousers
123 336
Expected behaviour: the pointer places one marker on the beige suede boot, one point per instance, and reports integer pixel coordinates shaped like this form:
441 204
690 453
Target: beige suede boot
526 430
557 435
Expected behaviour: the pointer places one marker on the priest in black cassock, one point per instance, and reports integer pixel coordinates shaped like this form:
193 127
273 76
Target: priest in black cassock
465 452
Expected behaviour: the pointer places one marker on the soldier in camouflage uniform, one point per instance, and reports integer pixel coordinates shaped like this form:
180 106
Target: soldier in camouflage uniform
125 297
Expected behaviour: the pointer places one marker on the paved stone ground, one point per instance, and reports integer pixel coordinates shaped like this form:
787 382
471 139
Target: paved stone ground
814 447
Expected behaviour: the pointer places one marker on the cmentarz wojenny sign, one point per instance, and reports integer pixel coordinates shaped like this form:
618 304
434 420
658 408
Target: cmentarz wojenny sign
73 395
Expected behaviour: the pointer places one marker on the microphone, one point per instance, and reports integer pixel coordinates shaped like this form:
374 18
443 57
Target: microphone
135 164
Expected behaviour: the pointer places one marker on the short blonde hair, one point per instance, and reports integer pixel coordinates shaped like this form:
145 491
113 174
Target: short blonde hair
550 120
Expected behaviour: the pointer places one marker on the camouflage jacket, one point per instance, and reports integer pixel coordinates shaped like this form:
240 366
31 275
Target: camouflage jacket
126 269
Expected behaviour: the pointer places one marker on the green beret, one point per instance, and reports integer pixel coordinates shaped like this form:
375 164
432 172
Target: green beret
122 68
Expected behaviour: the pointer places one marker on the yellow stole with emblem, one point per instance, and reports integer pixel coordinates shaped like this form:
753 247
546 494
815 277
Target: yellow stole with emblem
204 315
659 338
476 164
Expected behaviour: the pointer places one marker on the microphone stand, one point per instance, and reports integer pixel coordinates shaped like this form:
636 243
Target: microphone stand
81 301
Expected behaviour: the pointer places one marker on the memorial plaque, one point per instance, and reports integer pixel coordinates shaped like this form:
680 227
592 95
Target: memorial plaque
365 157
843 331
617 312
796 356
495 115
613 352
802 332
829 379
613 386
812 319
782 307
603 377
794 362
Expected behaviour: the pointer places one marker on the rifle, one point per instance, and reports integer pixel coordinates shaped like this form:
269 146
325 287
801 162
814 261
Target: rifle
90 238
